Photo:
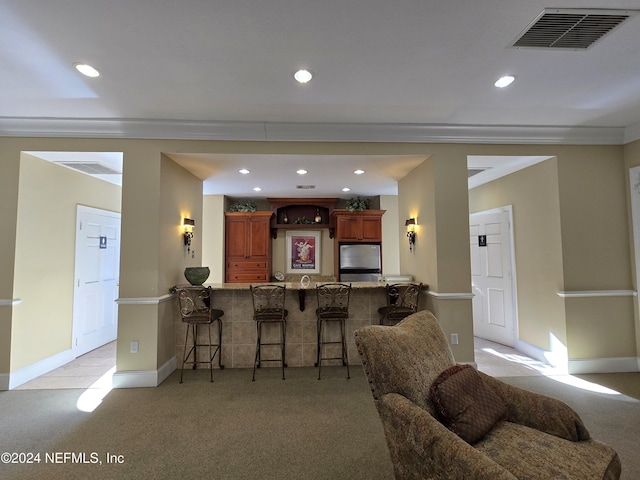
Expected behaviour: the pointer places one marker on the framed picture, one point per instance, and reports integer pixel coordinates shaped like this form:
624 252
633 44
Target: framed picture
303 251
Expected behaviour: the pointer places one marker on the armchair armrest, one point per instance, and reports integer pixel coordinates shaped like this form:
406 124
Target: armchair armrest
539 411
421 447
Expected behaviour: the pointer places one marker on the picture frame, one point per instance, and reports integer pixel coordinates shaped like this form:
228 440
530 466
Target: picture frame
303 251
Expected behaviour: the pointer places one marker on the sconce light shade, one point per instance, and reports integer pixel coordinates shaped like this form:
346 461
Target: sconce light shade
188 224
411 234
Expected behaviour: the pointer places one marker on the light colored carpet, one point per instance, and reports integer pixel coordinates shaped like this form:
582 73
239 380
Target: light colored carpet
299 428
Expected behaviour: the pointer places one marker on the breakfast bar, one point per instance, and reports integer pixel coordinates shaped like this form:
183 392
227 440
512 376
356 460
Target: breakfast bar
239 328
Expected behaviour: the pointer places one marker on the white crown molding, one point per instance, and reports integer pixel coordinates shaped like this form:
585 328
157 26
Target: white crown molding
311 132
632 133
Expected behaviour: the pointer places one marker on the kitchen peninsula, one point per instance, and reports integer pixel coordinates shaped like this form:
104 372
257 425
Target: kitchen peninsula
239 328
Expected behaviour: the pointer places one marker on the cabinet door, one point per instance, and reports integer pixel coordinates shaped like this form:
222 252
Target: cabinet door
348 229
236 237
258 243
371 229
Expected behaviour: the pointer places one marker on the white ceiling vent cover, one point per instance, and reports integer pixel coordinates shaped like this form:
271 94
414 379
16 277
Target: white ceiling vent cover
569 28
92 168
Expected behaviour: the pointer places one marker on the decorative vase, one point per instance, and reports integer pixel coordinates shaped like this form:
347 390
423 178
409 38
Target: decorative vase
196 275
318 218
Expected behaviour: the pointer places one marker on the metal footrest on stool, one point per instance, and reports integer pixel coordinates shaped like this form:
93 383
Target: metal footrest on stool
214 348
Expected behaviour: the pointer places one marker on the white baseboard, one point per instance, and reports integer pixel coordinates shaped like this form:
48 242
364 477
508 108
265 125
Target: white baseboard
534 352
144 378
604 365
41 367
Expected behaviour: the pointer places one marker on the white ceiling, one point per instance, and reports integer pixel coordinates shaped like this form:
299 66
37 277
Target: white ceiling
407 70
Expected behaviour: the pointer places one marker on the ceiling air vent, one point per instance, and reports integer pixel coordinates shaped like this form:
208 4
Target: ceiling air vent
569 28
92 168
305 187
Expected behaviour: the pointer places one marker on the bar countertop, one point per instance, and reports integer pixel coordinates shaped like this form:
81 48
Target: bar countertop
291 285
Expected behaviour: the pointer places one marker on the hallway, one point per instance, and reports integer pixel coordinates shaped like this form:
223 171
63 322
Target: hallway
85 371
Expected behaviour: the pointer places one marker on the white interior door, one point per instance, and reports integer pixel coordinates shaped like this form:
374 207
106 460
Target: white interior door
492 278
95 315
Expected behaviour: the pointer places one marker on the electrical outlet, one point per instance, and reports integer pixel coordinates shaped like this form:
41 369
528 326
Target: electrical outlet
134 346
454 339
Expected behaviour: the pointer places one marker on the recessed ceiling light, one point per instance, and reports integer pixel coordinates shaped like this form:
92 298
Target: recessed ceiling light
504 81
358 171
244 171
257 189
346 189
87 70
303 76
302 171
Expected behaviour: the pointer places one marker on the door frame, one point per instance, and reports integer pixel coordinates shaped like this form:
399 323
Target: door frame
514 284
74 323
634 196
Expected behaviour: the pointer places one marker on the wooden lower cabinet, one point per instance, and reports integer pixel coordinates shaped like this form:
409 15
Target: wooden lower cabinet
247 247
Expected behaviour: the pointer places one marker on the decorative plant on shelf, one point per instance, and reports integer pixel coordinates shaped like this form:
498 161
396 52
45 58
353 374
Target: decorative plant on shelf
303 221
243 207
358 204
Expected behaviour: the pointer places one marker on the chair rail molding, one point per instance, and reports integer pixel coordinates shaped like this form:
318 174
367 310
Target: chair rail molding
10 302
597 293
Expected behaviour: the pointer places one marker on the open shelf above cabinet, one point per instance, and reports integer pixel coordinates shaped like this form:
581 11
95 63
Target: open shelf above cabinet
301 214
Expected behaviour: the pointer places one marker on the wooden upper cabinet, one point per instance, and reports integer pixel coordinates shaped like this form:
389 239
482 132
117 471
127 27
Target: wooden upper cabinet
247 246
365 226
236 235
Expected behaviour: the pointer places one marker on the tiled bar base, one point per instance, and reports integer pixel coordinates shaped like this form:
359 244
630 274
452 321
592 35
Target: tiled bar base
239 328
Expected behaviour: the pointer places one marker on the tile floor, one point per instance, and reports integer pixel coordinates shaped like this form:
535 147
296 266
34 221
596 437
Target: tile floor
85 371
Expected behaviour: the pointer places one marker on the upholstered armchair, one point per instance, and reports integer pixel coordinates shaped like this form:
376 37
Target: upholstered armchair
428 405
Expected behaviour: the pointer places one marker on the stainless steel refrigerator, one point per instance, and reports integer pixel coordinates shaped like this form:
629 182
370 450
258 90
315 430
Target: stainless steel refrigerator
358 261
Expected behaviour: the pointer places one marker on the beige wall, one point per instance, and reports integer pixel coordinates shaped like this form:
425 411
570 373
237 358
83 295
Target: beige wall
533 194
441 217
596 252
416 199
393 235
571 235
157 195
213 207
435 193
9 181
45 255
632 159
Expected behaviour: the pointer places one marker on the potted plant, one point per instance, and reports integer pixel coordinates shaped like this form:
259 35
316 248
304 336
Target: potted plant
243 207
358 204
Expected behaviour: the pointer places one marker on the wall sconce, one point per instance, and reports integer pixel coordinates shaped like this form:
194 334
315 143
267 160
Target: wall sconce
188 225
411 234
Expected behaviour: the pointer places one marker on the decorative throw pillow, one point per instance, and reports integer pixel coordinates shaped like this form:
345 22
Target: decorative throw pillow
465 404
